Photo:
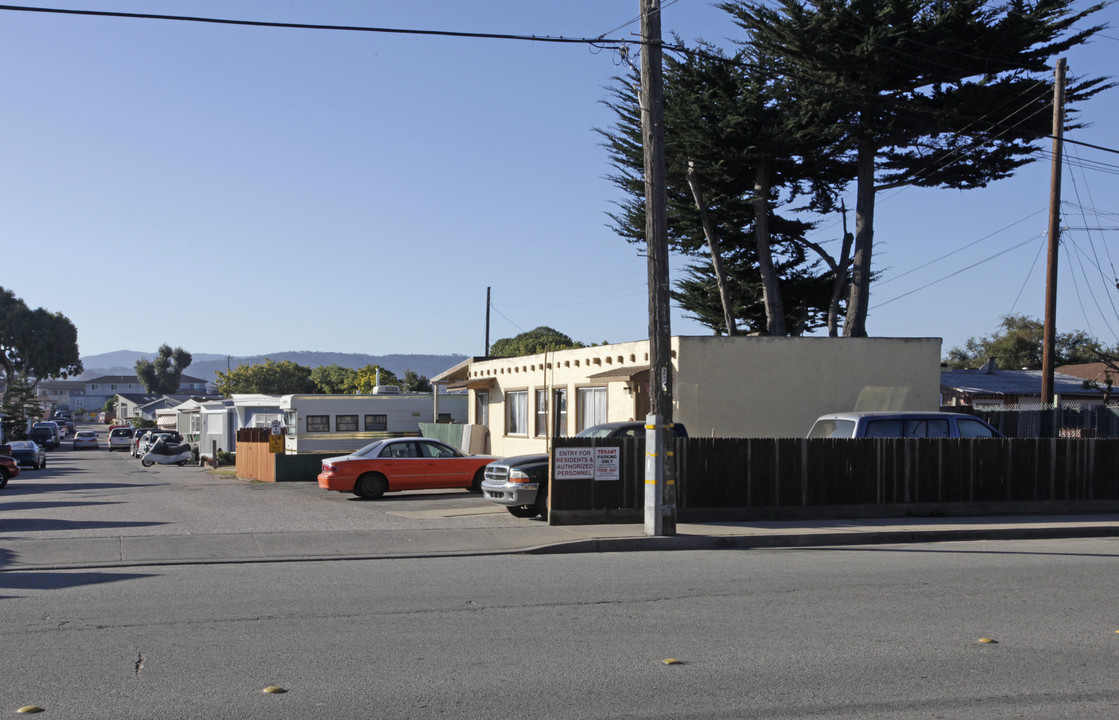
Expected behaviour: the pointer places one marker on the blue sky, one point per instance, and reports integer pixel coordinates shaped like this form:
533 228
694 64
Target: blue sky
240 190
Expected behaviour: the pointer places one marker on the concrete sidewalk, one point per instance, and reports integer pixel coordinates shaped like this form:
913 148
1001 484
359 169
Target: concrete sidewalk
534 538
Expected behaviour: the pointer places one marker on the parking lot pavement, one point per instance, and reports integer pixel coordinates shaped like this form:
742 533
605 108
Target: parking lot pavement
90 509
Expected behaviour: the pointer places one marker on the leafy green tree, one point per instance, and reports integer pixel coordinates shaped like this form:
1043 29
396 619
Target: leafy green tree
165 372
269 378
334 380
737 150
928 93
533 342
37 343
20 408
1018 345
414 382
368 378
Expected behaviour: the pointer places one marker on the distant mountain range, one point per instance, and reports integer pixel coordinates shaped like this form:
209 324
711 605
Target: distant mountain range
206 365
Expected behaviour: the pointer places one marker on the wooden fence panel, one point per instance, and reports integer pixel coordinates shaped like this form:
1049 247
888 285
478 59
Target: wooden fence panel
801 473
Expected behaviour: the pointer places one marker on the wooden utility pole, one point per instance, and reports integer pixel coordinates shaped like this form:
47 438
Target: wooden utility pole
487 322
1049 343
660 484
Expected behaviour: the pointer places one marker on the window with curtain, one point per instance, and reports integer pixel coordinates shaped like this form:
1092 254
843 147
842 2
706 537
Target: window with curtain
541 413
559 412
592 407
516 412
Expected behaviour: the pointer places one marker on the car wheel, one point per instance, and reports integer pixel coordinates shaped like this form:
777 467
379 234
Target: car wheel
523 511
43 464
371 486
3 477
476 486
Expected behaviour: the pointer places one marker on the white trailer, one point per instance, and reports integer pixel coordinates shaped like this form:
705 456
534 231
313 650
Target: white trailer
344 423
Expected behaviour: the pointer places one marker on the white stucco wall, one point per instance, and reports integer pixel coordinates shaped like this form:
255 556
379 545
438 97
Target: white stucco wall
723 387
777 386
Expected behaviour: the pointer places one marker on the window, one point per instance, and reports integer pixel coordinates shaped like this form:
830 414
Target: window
401 450
927 428
541 413
318 423
516 412
592 407
345 423
559 413
482 408
973 429
376 422
93 386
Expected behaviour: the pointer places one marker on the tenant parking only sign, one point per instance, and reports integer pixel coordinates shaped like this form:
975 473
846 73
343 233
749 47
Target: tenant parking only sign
588 463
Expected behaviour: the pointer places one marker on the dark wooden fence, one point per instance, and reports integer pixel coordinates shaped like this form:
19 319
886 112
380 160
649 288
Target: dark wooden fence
800 478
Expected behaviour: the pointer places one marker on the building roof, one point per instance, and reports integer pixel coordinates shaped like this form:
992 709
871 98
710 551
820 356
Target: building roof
1096 372
1012 382
62 384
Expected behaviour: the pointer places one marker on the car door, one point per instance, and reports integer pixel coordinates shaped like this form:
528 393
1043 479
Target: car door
445 467
403 465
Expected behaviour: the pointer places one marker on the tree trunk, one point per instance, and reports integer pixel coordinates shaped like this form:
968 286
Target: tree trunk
840 283
771 290
713 246
857 303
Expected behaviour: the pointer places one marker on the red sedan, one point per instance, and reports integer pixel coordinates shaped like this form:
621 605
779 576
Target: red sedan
410 463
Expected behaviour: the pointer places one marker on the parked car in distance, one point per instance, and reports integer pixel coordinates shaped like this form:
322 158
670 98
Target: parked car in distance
86 439
521 483
409 463
9 469
45 436
913 424
120 438
27 453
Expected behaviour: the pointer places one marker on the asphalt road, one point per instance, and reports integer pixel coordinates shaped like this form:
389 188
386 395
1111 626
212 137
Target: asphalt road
884 632
853 632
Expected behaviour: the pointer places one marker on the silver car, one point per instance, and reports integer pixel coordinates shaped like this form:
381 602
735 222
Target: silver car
901 425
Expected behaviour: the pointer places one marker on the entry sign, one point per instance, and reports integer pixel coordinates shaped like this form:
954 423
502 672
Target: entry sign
586 463
275 438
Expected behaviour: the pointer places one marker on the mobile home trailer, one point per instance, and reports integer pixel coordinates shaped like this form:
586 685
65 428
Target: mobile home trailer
344 423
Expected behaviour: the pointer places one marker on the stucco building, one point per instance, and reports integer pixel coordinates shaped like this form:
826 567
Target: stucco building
723 387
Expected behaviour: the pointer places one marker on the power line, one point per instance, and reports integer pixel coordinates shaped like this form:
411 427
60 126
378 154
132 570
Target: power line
961 270
312 26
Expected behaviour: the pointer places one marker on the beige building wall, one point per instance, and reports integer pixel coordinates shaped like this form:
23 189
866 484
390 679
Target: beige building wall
723 387
777 386
567 370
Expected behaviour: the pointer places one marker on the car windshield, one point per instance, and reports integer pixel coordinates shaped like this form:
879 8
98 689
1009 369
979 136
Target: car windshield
832 428
369 450
596 431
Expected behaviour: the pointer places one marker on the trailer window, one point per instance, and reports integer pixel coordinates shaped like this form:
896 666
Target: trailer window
345 423
376 422
318 423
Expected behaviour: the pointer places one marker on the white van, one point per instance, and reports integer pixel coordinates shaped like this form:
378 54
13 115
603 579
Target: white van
901 425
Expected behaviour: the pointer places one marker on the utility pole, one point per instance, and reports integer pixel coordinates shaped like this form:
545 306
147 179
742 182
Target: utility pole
1049 342
660 482
487 322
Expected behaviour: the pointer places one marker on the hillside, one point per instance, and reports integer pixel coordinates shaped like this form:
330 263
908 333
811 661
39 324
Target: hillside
206 365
